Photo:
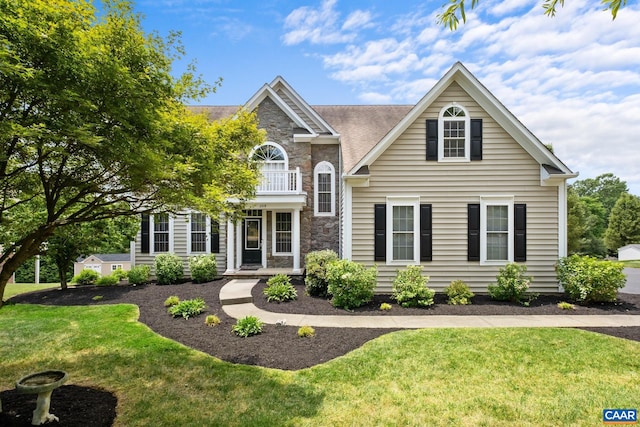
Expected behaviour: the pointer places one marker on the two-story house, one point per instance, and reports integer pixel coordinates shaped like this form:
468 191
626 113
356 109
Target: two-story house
455 183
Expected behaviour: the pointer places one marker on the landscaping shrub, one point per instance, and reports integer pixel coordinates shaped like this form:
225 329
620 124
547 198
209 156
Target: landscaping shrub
563 305
247 326
119 274
512 284
212 320
203 268
171 301
385 306
188 308
86 277
586 279
169 269
410 288
458 293
279 289
139 275
306 331
350 284
316 263
107 280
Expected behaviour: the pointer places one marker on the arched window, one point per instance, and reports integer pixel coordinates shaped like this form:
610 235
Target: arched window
324 189
272 156
453 138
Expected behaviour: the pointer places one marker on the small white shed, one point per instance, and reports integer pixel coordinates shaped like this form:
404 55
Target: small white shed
104 264
629 252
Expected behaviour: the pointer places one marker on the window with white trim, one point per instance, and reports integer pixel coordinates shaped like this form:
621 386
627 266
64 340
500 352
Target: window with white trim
453 134
324 189
114 267
282 233
402 230
161 232
198 231
496 229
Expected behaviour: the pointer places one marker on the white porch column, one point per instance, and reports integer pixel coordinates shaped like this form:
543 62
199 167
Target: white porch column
37 275
296 241
230 247
239 244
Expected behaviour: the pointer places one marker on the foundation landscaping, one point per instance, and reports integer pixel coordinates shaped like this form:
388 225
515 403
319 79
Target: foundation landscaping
169 355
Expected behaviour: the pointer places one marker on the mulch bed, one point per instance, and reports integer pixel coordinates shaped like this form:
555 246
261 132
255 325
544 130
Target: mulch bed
277 347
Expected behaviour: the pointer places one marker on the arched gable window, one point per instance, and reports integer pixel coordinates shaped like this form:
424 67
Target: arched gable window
453 138
272 157
324 189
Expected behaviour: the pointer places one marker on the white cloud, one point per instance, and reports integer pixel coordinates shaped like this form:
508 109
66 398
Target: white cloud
573 80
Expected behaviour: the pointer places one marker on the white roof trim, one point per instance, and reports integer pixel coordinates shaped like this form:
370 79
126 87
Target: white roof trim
266 91
302 104
487 101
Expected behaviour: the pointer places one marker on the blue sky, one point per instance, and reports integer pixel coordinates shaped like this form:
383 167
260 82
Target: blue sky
573 80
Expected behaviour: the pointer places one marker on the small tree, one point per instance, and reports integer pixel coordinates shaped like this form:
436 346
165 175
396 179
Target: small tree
624 223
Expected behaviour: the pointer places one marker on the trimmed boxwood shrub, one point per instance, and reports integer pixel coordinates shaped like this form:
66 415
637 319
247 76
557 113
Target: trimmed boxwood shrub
203 268
139 274
169 269
586 279
410 288
512 284
316 263
458 293
86 277
350 284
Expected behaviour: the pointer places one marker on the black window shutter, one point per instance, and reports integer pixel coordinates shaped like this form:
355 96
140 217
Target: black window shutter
432 139
476 139
144 234
215 237
520 235
473 237
380 226
426 235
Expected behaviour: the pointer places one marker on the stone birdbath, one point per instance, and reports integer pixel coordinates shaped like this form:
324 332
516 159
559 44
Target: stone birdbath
41 383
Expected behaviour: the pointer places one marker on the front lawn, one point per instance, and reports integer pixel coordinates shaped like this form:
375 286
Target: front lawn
632 264
416 377
20 288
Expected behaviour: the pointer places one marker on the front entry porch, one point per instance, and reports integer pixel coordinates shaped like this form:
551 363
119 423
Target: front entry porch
265 242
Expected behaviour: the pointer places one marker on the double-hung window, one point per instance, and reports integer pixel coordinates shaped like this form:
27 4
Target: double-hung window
198 228
161 233
283 233
496 229
453 138
403 227
324 189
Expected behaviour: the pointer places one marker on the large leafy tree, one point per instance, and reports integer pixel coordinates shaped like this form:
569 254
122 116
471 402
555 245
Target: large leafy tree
624 223
605 188
455 10
110 235
93 126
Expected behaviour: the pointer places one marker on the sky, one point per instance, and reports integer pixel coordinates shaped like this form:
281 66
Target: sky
573 80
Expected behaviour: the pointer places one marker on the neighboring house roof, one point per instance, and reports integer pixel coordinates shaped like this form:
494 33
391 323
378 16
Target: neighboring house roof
366 131
632 246
108 257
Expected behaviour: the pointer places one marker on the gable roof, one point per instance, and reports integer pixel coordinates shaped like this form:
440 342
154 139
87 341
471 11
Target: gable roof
458 73
632 246
108 257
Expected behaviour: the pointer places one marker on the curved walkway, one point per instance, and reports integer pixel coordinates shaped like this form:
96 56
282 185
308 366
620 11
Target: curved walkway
237 302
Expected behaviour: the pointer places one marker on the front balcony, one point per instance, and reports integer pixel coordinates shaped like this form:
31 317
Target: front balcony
280 182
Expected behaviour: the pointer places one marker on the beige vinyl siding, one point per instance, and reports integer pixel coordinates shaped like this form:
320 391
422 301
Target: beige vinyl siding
180 223
506 170
282 94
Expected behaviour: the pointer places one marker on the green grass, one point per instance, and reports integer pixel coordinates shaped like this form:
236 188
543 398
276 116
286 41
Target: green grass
435 377
20 288
632 264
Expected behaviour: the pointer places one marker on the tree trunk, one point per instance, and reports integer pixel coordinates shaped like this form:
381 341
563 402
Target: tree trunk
62 274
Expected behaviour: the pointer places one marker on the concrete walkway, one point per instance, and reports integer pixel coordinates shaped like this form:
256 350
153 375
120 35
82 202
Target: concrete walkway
237 302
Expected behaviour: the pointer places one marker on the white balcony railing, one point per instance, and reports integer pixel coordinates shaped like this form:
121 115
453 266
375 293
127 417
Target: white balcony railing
281 182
